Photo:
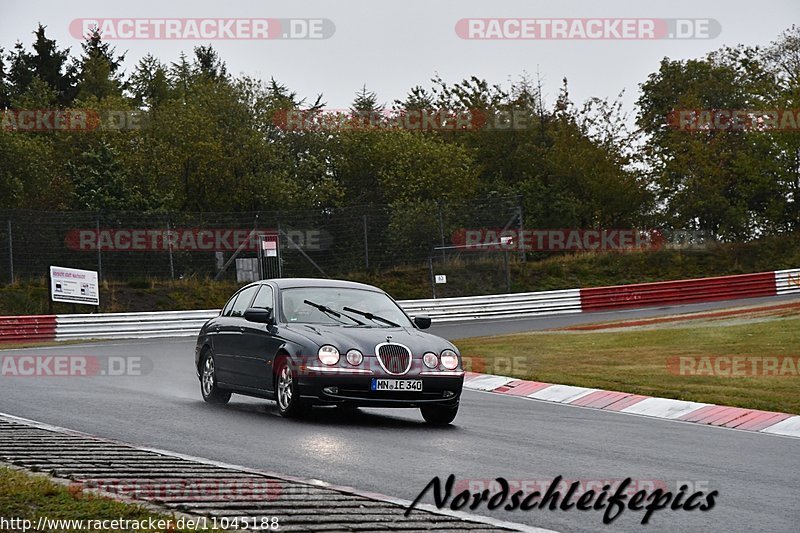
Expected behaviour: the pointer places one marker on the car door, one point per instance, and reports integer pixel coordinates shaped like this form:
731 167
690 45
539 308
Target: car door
259 344
217 334
229 347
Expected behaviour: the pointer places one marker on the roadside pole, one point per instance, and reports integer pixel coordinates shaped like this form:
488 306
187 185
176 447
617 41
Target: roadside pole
366 244
10 252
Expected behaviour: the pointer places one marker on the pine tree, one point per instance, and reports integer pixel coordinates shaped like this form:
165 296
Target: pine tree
99 69
47 63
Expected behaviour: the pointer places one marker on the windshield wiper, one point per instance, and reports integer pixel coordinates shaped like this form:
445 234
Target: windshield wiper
328 311
370 316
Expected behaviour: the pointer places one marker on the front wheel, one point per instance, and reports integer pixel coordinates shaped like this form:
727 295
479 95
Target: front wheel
438 415
208 382
289 403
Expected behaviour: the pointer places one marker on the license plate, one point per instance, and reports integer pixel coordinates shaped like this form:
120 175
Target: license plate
402 385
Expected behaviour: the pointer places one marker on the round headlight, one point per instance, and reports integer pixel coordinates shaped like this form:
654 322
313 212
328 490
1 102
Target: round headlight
354 357
328 354
449 359
430 360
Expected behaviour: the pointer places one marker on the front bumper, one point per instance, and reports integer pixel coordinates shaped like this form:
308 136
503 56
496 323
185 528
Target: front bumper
438 388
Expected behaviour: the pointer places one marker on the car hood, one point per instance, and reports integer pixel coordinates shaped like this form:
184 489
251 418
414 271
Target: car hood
365 339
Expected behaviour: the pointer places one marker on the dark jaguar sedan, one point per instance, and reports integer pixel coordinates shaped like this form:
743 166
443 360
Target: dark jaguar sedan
310 341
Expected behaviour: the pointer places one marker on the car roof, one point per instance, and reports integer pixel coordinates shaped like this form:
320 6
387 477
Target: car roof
288 283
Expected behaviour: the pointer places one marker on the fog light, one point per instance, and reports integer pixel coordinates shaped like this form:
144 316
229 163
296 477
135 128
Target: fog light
331 390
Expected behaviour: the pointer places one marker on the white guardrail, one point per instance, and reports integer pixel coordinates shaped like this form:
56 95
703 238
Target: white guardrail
132 325
520 305
188 323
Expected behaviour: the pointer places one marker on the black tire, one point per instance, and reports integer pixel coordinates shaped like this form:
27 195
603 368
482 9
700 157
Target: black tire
286 395
208 381
437 415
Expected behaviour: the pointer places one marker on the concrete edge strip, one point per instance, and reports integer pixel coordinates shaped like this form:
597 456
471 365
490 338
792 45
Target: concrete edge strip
283 477
742 419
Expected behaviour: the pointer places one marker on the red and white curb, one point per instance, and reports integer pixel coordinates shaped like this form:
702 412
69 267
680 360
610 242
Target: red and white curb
623 402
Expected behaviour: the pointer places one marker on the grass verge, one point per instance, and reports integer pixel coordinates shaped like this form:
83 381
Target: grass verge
28 496
638 360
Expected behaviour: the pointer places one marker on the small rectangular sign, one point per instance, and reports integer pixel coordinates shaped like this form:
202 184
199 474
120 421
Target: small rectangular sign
71 285
441 278
270 248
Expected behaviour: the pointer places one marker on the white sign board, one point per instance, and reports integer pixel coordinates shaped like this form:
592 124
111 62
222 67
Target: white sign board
270 248
441 278
74 286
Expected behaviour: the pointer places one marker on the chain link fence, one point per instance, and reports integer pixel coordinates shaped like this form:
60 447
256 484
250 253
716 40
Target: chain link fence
329 242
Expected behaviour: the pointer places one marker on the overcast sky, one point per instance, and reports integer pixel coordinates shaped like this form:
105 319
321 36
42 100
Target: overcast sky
392 46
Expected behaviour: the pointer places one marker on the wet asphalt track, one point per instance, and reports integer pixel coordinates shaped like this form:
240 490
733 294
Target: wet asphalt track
393 452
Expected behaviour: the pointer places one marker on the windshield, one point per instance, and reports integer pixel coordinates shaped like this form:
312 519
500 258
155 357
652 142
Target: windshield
379 305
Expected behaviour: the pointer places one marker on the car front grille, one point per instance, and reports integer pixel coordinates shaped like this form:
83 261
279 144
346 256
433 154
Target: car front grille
395 358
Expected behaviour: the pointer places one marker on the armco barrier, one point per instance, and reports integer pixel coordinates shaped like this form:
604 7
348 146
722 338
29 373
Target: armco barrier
187 323
27 328
679 292
132 325
496 306
787 281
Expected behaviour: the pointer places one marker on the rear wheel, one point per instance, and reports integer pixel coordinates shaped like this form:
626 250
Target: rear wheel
438 415
208 381
289 403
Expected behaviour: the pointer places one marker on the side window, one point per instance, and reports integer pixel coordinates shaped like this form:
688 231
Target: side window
243 301
226 311
264 299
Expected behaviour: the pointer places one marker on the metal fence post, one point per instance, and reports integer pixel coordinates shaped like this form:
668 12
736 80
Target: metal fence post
366 243
10 252
508 271
433 279
99 251
441 227
521 228
278 250
171 262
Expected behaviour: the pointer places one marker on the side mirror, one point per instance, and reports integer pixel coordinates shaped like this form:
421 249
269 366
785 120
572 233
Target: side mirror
422 321
258 315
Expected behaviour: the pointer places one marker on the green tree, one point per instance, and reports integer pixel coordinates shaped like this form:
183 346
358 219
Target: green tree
149 83
47 63
730 182
99 69
100 182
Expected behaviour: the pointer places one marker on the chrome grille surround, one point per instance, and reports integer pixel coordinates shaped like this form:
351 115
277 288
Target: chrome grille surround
394 358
